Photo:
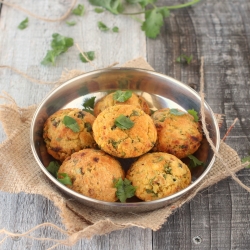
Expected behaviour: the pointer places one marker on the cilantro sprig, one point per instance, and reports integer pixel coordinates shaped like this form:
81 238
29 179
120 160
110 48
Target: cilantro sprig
24 24
64 178
176 112
153 15
122 96
88 104
71 123
124 189
79 10
194 162
89 56
194 114
59 45
123 122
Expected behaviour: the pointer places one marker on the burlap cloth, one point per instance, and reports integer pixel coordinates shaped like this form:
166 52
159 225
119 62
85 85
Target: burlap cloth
22 173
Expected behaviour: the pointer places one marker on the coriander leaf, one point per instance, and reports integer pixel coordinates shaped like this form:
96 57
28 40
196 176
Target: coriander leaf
64 178
102 26
71 123
71 23
153 23
176 112
124 189
99 10
122 96
53 168
90 55
184 59
194 114
89 102
79 10
24 24
59 45
115 29
123 122
246 159
114 6
194 161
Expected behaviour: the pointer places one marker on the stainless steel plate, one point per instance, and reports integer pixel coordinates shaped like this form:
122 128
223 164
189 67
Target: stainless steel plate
159 90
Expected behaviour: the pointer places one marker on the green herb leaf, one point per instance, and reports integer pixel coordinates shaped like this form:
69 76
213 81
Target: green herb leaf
122 96
89 102
194 161
115 29
79 10
64 178
59 45
71 23
114 6
102 26
153 23
124 189
123 122
143 3
90 56
24 24
53 168
184 59
99 10
176 112
71 123
194 114
246 159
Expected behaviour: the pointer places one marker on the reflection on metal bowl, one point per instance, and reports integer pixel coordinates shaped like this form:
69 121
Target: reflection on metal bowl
159 90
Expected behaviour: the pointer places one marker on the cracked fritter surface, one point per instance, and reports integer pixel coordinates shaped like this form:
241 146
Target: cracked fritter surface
60 140
179 135
157 175
93 173
108 101
124 143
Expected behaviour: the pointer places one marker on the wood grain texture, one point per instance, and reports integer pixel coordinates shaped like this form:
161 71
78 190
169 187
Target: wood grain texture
218 31
218 217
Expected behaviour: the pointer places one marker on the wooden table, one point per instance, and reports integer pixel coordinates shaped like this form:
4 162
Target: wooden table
218 217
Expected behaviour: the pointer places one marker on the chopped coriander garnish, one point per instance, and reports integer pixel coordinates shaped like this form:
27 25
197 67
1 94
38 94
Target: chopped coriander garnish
122 96
53 168
194 161
102 26
176 112
124 189
123 122
90 55
79 10
89 102
24 24
71 123
194 114
184 59
115 29
64 178
71 23
59 45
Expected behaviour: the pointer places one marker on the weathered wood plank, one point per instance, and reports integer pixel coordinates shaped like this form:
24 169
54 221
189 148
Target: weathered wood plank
220 32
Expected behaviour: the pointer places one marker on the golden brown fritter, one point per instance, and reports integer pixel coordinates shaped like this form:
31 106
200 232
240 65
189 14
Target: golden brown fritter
108 101
93 173
61 141
157 175
179 135
124 143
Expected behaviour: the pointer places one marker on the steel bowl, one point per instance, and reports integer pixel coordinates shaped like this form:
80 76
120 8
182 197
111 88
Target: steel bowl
159 90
